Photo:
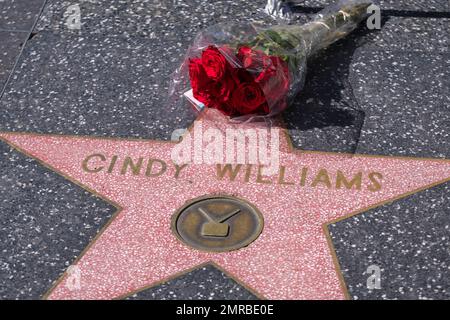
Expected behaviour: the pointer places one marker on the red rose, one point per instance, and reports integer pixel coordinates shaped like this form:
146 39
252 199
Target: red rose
256 83
214 63
248 97
270 72
201 84
223 92
253 60
275 81
214 94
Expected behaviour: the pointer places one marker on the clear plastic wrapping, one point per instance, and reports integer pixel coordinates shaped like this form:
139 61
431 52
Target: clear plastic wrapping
249 71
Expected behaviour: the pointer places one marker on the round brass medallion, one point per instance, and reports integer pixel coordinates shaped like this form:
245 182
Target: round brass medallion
217 223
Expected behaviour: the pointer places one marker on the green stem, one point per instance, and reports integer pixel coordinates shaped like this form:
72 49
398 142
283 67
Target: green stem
303 41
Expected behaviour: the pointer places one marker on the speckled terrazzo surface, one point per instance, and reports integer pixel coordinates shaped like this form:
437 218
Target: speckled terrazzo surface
376 92
45 224
19 15
10 44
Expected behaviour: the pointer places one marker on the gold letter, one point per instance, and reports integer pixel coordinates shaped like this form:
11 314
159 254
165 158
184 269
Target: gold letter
112 164
304 174
97 169
376 185
340 179
178 169
248 172
259 178
282 176
150 163
135 168
322 177
228 168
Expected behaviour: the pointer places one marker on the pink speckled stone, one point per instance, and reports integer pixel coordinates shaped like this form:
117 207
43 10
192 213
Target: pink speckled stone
290 260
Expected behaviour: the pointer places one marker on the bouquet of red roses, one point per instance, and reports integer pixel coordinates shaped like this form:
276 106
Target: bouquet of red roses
247 71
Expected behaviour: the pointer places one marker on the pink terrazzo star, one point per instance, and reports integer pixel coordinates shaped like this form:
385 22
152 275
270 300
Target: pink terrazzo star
291 259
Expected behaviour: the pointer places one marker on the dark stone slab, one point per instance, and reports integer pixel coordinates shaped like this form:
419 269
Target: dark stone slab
326 115
415 5
45 223
206 283
94 85
397 5
412 34
10 44
408 240
19 14
160 20
359 97
406 100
